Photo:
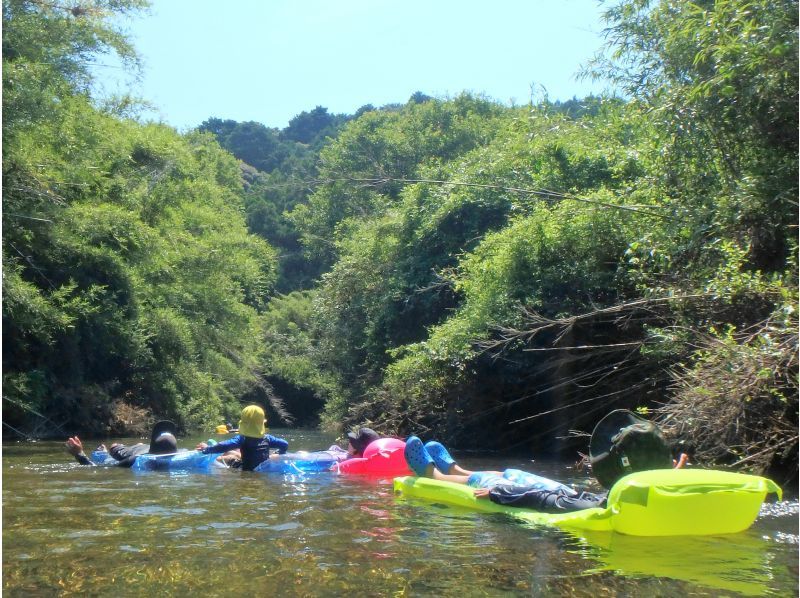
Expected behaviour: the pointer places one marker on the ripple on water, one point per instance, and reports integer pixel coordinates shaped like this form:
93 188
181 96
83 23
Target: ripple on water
784 538
151 510
51 468
90 533
285 527
783 508
181 531
778 522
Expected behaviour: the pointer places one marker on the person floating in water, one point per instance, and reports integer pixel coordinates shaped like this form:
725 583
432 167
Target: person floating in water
358 441
621 443
162 442
226 428
252 441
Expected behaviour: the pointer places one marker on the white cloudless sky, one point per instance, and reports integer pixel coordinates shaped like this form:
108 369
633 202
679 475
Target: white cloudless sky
268 60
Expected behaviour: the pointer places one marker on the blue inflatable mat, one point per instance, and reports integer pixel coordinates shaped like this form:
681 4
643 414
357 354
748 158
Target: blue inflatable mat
300 462
102 458
182 461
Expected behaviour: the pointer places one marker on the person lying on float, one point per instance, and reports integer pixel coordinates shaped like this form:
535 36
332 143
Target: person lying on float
358 441
621 443
162 442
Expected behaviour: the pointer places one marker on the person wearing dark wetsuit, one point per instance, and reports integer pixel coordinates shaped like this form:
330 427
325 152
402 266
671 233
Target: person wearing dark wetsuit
252 440
162 442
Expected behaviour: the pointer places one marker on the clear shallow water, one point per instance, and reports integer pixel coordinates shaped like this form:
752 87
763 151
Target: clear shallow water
69 529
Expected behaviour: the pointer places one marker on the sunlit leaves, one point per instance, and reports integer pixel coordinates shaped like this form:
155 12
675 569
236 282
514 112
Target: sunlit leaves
129 268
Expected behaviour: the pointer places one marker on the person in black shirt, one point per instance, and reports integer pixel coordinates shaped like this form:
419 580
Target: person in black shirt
360 440
162 442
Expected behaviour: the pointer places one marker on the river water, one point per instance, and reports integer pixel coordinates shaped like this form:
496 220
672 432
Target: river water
73 530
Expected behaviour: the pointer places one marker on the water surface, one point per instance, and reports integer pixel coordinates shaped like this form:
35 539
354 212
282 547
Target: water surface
69 529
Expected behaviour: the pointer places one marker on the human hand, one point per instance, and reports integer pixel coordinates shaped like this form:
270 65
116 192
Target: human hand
201 446
101 448
74 446
683 460
481 493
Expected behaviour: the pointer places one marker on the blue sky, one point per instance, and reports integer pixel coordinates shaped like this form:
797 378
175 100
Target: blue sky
268 60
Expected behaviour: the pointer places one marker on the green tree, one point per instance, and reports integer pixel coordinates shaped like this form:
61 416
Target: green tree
394 282
362 169
130 277
312 127
720 81
251 142
292 358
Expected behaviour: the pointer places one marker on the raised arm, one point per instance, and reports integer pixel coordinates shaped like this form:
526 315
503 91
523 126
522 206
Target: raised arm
74 447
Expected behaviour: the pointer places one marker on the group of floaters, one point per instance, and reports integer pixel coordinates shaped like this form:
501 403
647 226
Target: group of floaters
250 448
649 493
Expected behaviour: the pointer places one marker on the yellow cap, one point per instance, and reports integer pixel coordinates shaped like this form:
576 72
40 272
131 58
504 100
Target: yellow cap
252 422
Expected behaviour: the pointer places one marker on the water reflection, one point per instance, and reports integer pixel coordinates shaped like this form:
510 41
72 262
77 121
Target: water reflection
71 529
737 562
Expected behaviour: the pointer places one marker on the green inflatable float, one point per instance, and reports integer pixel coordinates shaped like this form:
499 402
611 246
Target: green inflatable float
663 502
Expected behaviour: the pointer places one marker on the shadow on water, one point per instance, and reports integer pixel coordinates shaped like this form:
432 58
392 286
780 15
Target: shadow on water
106 531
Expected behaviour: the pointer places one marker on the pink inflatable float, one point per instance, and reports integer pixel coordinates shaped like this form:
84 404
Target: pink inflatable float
382 457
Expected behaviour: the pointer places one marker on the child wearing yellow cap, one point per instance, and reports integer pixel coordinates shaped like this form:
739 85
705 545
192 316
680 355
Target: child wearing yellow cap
252 440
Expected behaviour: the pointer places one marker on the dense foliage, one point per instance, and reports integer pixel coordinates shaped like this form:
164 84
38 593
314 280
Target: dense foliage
491 275
507 276
279 167
131 284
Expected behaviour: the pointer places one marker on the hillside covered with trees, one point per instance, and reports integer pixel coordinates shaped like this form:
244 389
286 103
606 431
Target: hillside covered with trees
496 276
